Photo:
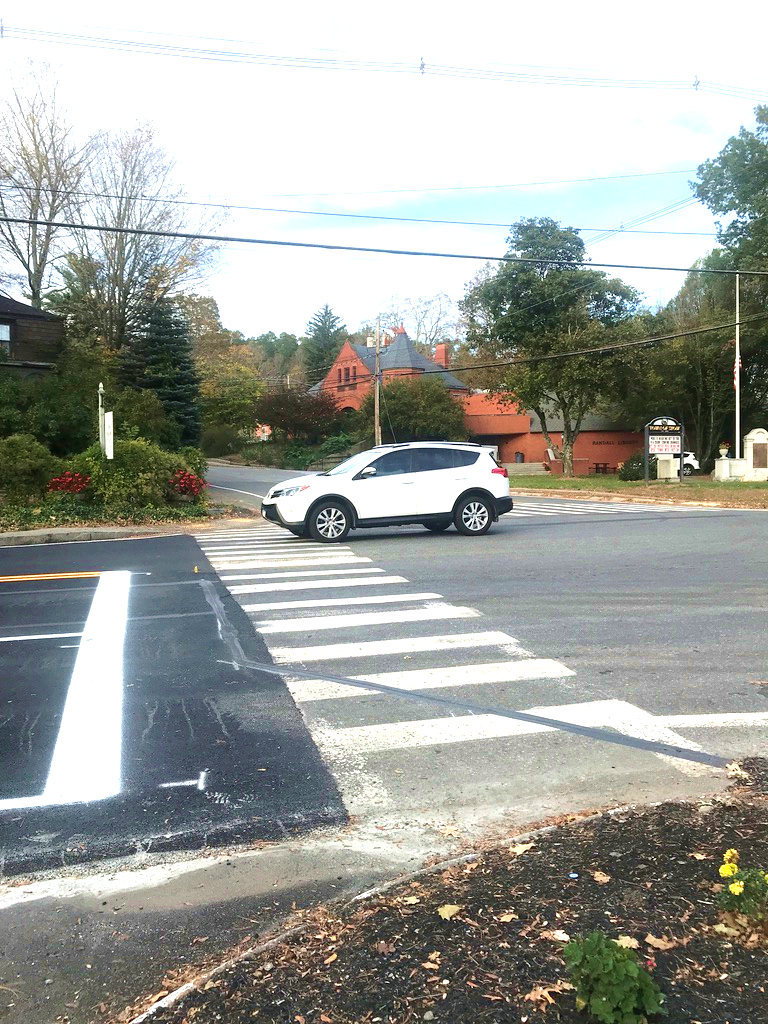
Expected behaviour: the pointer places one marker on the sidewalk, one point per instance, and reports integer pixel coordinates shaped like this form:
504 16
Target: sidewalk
481 938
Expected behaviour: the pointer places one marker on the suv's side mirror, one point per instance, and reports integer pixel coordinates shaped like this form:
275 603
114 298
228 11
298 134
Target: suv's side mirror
367 472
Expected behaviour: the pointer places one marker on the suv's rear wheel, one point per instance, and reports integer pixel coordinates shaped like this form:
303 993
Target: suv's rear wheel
438 527
329 521
473 516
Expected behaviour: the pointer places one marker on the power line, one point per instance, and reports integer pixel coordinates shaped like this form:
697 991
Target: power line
607 232
192 237
551 356
420 68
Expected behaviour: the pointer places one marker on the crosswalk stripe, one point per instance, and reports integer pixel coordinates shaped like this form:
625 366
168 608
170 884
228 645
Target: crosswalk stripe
273 563
433 612
612 714
337 602
264 588
306 690
298 572
406 645
552 510
272 549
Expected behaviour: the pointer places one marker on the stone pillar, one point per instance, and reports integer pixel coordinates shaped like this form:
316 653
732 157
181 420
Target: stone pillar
756 454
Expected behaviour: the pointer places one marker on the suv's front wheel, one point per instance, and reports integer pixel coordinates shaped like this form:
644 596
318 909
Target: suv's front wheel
329 521
473 516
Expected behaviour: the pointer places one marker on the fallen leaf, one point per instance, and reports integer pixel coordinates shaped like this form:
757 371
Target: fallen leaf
542 993
660 943
735 771
723 929
448 910
521 848
450 830
699 856
300 1019
411 899
600 877
199 939
429 966
627 942
505 918
330 959
326 1020
556 936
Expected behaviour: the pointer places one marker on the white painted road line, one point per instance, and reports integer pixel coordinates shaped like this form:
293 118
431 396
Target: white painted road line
37 636
433 612
339 602
274 563
305 690
264 588
549 510
407 645
608 714
298 572
86 760
235 490
271 550
726 720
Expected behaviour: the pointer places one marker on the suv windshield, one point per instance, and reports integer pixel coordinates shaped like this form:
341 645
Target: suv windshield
350 465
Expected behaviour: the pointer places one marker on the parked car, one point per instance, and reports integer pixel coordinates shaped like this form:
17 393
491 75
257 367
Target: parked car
433 483
690 462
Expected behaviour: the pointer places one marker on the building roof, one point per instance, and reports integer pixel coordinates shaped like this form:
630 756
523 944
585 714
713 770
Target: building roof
402 354
10 307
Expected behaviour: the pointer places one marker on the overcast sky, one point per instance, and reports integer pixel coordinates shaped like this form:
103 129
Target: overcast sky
401 144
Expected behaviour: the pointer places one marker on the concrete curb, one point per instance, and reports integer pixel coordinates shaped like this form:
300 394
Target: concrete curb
175 997
66 535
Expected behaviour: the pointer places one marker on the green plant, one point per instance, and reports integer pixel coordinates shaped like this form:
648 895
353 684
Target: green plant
26 466
610 983
634 468
746 889
137 477
297 456
335 445
195 460
219 440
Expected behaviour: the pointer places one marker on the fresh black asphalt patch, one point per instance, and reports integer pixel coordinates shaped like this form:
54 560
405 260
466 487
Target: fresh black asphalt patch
208 754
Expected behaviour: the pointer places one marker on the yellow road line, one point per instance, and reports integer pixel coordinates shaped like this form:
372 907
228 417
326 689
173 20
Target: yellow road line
49 576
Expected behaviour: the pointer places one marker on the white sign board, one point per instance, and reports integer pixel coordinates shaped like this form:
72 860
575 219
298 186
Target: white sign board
660 445
109 436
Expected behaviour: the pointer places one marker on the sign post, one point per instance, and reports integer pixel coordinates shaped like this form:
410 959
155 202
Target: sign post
663 436
109 436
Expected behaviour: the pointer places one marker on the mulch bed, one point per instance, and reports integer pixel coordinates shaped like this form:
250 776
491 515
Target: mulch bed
650 875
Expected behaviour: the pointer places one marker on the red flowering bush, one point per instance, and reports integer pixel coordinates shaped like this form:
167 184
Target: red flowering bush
70 483
184 482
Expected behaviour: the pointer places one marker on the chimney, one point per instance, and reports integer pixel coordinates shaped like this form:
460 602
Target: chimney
443 355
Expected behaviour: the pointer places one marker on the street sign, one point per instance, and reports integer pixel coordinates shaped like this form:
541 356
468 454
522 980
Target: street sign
664 436
109 435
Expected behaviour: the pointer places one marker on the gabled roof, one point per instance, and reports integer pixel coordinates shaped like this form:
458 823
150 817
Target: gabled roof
402 354
10 307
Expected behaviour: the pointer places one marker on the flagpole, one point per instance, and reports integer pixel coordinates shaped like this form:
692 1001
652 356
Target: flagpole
737 376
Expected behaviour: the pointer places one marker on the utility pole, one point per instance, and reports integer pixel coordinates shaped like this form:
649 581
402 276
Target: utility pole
102 430
737 376
377 387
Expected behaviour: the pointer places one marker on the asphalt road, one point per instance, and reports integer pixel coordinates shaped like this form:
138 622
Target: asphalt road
122 724
245 484
642 620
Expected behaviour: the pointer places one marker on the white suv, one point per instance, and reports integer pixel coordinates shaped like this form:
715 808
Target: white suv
434 483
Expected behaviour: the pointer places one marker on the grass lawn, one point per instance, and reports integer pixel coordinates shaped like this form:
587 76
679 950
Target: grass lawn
695 489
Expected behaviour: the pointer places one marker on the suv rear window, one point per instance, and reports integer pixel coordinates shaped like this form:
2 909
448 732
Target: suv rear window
427 459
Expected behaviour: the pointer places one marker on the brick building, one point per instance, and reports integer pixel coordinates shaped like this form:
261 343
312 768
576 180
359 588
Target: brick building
600 447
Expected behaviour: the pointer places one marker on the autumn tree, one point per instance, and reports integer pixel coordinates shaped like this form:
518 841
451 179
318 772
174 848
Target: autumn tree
42 171
114 275
533 314
298 414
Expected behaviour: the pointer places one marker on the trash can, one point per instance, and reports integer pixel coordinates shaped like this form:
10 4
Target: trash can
519 457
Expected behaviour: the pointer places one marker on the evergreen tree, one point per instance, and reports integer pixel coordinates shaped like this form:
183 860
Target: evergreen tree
159 359
325 336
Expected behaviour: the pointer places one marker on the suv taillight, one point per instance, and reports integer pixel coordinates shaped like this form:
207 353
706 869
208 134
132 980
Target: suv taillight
500 470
